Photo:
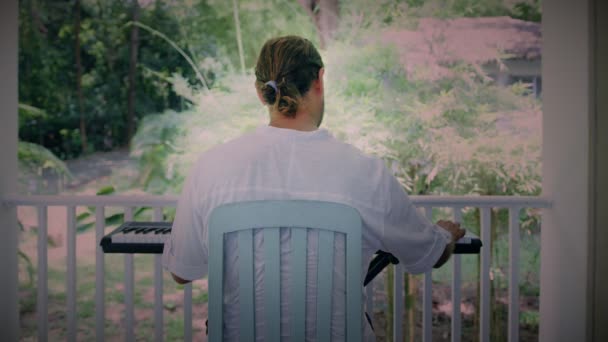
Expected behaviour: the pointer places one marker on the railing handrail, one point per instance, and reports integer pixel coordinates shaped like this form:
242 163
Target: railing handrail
171 200
481 201
92 200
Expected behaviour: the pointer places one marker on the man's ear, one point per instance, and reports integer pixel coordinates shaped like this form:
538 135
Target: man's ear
318 83
260 96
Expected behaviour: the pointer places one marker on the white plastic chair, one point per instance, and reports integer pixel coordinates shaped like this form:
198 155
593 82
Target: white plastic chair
299 215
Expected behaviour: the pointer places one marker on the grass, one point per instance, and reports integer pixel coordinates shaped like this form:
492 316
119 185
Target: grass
175 329
114 301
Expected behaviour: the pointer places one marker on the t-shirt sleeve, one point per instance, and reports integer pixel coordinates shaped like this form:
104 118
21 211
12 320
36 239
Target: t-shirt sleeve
408 235
185 253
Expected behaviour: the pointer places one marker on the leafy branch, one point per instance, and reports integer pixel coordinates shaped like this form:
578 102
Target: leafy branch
200 76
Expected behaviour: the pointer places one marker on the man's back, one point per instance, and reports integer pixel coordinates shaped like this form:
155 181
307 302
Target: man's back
275 163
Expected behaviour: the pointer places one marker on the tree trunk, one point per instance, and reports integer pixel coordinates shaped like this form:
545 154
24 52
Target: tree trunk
134 44
83 131
325 15
239 38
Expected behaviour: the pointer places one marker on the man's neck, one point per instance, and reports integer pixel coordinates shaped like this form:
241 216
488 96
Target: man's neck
299 123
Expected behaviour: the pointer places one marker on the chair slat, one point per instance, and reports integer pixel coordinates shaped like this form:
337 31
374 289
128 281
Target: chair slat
325 268
353 288
272 285
246 283
298 286
216 283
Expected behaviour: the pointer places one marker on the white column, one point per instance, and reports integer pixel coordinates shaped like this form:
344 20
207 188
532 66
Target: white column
9 310
565 226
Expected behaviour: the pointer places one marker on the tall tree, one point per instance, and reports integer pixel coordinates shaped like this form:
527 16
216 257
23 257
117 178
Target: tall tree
325 15
83 131
239 38
133 46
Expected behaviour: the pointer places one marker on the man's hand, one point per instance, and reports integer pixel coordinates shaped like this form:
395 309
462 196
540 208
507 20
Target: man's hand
180 280
452 227
456 232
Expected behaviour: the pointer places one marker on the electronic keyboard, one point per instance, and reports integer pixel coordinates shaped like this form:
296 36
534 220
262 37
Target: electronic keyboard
137 237
149 238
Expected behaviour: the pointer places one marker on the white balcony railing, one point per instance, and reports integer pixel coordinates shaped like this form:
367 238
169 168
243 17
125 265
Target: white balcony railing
427 203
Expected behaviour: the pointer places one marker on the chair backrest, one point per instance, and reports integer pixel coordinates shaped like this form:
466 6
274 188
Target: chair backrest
271 216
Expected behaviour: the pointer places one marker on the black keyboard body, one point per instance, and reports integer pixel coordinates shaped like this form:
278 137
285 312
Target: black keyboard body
137 237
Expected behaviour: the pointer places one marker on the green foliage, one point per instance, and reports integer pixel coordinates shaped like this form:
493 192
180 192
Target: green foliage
26 263
530 318
35 161
85 221
168 144
529 11
208 28
47 62
202 31
459 134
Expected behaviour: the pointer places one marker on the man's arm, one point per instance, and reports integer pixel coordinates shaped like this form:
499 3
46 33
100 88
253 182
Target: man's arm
407 234
184 253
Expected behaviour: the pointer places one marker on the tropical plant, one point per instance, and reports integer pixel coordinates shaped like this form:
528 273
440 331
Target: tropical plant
36 162
85 221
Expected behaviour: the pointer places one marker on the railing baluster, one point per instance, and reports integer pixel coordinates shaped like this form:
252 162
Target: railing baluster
71 274
42 300
427 296
456 285
188 312
129 287
484 320
158 287
100 310
514 274
398 303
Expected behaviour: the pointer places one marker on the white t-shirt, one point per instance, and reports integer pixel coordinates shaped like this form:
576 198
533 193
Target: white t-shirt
276 163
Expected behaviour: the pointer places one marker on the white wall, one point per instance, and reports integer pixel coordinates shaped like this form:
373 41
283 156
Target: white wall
8 171
566 113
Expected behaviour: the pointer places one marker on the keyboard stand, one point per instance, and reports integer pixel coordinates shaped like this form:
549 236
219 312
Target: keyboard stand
468 244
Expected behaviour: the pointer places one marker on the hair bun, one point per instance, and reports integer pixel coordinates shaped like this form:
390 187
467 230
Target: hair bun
288 106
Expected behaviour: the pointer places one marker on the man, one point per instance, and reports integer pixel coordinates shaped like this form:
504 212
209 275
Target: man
292 158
